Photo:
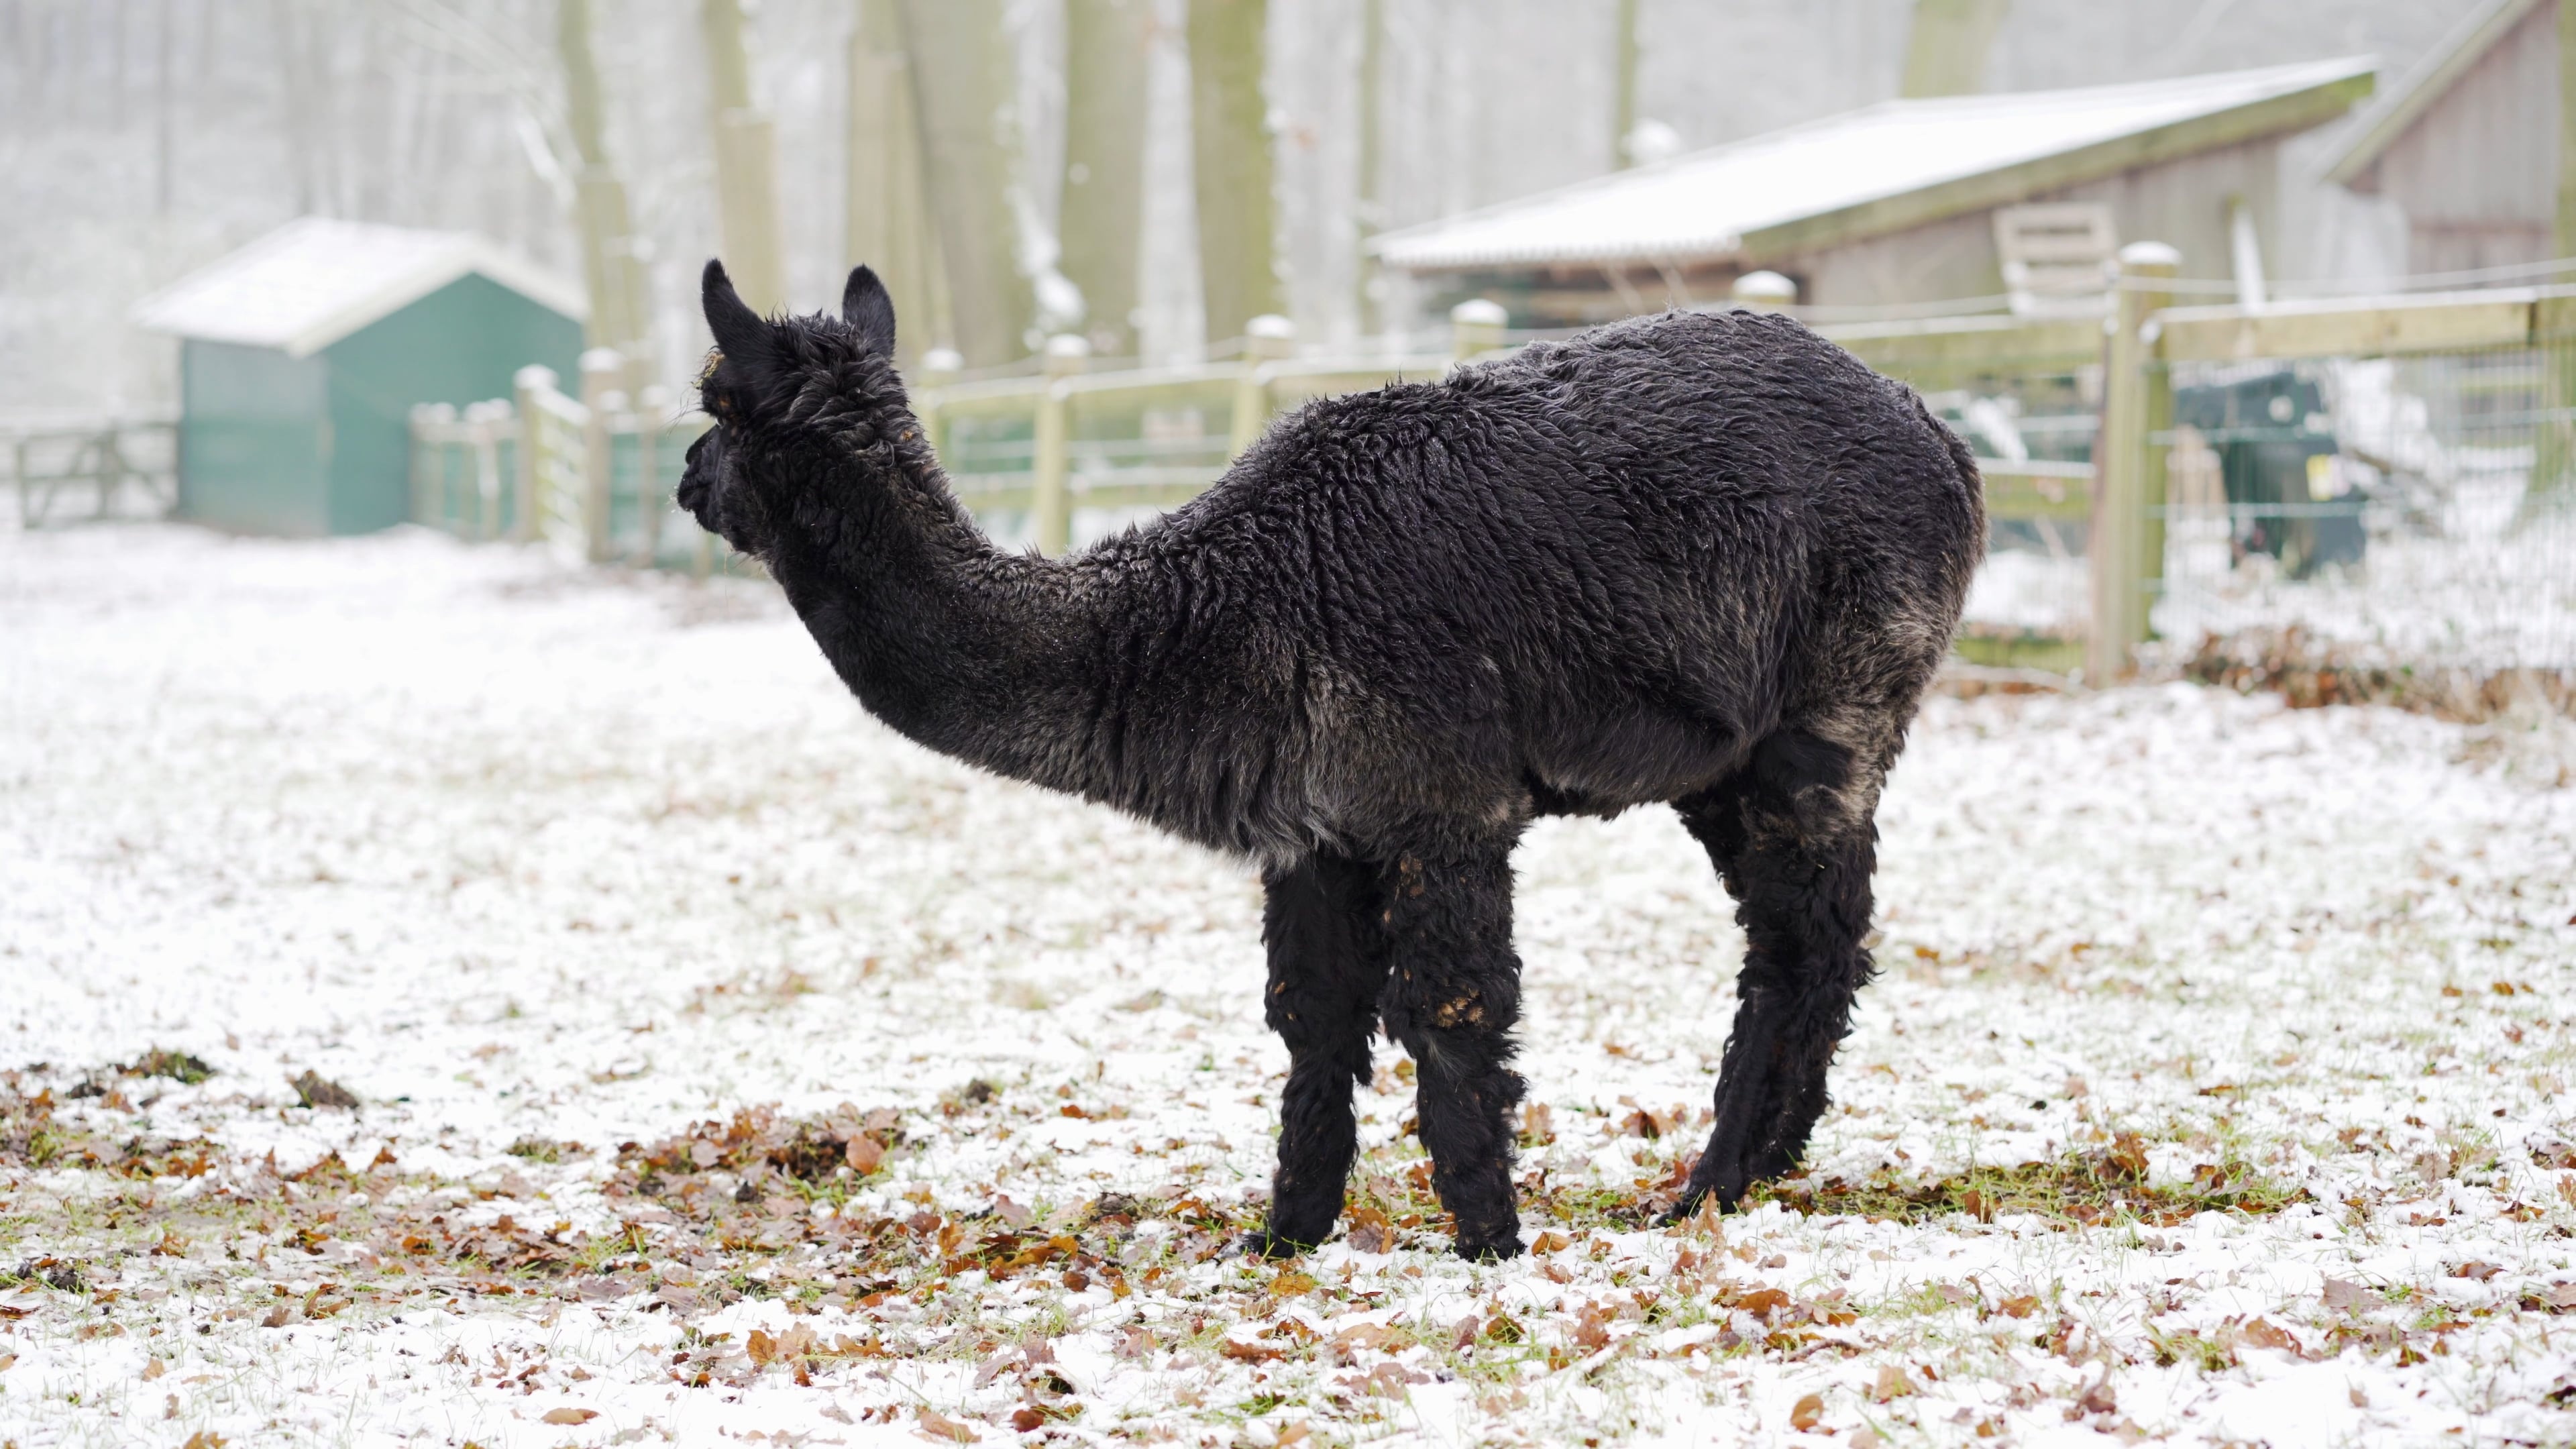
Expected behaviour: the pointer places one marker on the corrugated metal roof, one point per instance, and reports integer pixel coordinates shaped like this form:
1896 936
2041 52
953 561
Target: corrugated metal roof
1703 205
314 281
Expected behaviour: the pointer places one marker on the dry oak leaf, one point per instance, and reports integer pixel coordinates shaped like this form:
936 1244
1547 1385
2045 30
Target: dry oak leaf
1891 1384
864 1154
2263 1334
1807 1413
204 1439
940 1427
570 1416
2021 1307
1292 1283
2352 1297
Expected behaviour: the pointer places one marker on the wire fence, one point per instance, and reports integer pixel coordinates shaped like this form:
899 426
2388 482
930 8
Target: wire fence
2400 511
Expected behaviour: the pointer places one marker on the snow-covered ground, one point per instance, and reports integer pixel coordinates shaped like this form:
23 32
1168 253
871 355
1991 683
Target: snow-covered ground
2216 1089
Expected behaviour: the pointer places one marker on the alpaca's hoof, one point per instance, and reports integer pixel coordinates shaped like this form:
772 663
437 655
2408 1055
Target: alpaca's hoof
1262 1243
1491 1250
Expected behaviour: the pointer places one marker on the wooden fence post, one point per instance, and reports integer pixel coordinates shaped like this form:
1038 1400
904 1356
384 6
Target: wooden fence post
939 369
1051 463
652 406
1476 327
1764 292
1266 339
2134 393
602 369
526 384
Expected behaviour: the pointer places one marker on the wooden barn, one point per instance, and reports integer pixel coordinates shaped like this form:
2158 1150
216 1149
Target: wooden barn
2022 195
301 355
2476 147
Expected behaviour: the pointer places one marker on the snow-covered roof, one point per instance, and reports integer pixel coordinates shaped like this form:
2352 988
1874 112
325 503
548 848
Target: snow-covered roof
1880 169
314 281
2432 78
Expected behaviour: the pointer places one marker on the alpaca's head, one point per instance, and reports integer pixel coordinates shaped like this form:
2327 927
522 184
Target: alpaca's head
792 400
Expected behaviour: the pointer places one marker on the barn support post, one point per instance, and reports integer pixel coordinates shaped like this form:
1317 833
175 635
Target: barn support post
602 369
2128 463
1267 339
1051 461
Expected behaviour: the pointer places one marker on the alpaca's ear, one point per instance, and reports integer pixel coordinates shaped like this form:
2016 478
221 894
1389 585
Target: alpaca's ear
740 334
868 310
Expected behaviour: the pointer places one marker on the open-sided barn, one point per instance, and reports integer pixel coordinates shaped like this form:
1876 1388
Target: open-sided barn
2473 147
1900 202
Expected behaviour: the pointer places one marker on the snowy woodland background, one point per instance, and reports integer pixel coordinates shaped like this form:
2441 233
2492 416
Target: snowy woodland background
144 138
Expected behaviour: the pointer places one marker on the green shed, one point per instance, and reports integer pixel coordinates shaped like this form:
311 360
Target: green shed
301 355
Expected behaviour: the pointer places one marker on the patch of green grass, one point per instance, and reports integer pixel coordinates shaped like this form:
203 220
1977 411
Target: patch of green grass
182 1067
2107 1187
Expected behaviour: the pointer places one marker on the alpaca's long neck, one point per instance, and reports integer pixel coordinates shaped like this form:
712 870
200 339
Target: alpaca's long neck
986 656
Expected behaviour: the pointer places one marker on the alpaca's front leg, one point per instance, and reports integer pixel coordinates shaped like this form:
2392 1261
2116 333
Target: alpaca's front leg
1327 961
1452 995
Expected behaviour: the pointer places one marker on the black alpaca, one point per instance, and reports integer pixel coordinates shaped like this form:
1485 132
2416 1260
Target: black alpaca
1708 560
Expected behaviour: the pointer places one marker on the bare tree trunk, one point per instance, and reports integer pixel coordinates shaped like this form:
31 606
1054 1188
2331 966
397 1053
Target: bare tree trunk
746 164
161 124
888 223
964 84
1230 163
620 314
1107 43
1946 53
1623 120
296 92
1369 213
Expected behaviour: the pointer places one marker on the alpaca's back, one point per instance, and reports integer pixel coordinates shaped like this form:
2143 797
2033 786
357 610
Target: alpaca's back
1606 566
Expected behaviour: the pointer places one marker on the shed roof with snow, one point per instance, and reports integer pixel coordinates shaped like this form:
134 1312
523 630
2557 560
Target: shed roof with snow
302 354
1893 167
316 280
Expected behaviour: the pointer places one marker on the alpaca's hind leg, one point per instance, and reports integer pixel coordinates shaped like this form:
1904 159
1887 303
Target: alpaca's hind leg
1327 962
1452 995
1793 839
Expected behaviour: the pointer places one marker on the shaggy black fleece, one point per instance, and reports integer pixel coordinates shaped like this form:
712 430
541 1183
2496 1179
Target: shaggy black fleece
1705 560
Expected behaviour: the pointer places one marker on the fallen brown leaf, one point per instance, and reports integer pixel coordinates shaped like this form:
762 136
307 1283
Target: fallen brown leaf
570 1416
315 1090
154 1369
2263 1334
939 1426
2021 1307
1890 1384
1807 1413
